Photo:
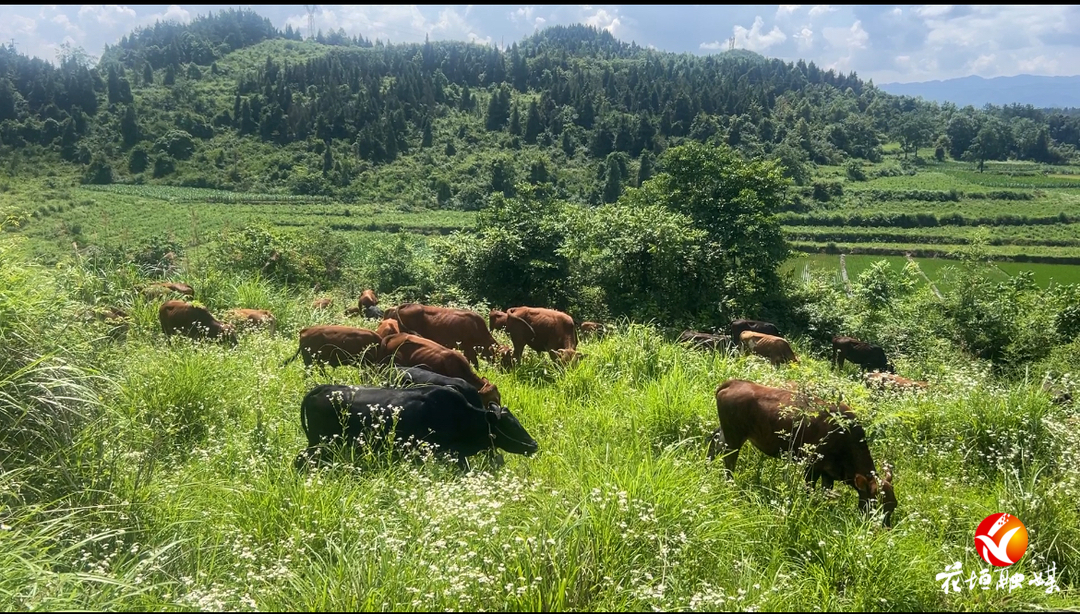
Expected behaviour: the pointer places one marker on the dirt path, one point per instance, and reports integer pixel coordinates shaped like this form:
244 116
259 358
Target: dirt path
932 286
843 274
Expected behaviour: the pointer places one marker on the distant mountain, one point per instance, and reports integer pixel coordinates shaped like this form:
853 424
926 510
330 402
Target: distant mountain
1038 91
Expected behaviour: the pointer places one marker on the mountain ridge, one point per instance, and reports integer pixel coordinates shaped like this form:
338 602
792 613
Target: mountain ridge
1046 92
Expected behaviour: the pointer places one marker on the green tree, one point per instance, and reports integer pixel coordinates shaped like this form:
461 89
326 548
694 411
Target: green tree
129 127
533 125
735 201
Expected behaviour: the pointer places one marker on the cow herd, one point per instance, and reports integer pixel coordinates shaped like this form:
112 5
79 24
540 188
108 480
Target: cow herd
440 400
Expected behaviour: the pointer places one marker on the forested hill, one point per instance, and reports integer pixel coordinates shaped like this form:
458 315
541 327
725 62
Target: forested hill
230 101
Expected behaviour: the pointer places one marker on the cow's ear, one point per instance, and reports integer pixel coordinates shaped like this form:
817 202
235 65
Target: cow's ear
861 483
888 474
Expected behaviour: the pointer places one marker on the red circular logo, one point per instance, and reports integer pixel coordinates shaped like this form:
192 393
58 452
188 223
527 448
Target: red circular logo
1001 539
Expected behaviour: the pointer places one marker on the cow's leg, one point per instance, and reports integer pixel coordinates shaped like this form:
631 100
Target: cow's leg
718 444
812 474
463 462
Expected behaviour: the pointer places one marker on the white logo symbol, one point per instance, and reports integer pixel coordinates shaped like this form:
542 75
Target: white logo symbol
998 549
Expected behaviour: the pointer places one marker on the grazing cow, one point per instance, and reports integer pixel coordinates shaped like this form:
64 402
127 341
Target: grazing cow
453 328
367 299
883 381
867 355
179 317
544 330
352 312
373 312
337 345
591 328
322 303
406 350
438 415
388 327
706 341
253 318
764 416
161 288
736 328
775 349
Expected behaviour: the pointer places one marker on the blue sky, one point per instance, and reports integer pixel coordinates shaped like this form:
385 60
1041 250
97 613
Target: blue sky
886 43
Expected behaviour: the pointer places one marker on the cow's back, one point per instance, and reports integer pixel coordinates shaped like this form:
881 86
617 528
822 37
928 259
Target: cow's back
451 328
553 329
338 345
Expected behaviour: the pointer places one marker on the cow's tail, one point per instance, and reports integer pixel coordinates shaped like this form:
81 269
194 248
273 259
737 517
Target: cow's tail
293 357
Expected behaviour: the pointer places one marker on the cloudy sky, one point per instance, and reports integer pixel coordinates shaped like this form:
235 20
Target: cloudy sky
886 43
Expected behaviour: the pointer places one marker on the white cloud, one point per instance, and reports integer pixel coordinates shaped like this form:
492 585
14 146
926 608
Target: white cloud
17 25
898 11
539 23
854 37
804 38
602 20
63 21
713 46
107 14
522 14
821 9
933 10
786 9
754 40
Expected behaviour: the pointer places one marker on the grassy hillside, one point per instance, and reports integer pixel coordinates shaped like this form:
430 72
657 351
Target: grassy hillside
176 490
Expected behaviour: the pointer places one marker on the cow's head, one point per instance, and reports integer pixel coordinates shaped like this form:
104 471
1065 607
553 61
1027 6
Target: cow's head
505 355
496 319
877 491
507 432
568 356
227 333
489 393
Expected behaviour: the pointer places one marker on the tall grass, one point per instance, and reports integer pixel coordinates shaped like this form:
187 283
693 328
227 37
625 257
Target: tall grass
196 506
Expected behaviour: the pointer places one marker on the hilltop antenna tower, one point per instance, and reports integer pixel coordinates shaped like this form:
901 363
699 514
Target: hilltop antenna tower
311 8
731 43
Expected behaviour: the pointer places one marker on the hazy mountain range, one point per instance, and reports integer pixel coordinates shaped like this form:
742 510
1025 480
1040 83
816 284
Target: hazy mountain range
1038 91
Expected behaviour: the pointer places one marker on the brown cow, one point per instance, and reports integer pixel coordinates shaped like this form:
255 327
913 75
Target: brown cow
776 349
592 328
544 330
352 312
388 327
367 299
161 288
407 350
179 317
454 329
883 381
337 345
253 318
322 303
765 416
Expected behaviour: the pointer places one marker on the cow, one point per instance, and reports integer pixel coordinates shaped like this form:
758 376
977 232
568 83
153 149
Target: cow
337 346
194 321
736 328
706 341
882 381
253 318
419 376
775 349
117 320
161 288
367 299
407 350
322 303
453 328
352 312
764 416
868 356
590 328
544 330
388 327
438 415
373 312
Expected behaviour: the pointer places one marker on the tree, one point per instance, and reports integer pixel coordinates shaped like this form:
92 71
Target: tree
502 175
533 125
613 183
129 127
328 158
961 130
148 74
914 132
735 202
427 138
170 75
645 169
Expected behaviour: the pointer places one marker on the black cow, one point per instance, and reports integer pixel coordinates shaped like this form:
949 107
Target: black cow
868 356
373 312
736 328
438 415
419 376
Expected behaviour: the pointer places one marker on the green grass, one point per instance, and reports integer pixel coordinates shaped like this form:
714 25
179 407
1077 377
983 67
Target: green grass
194 503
